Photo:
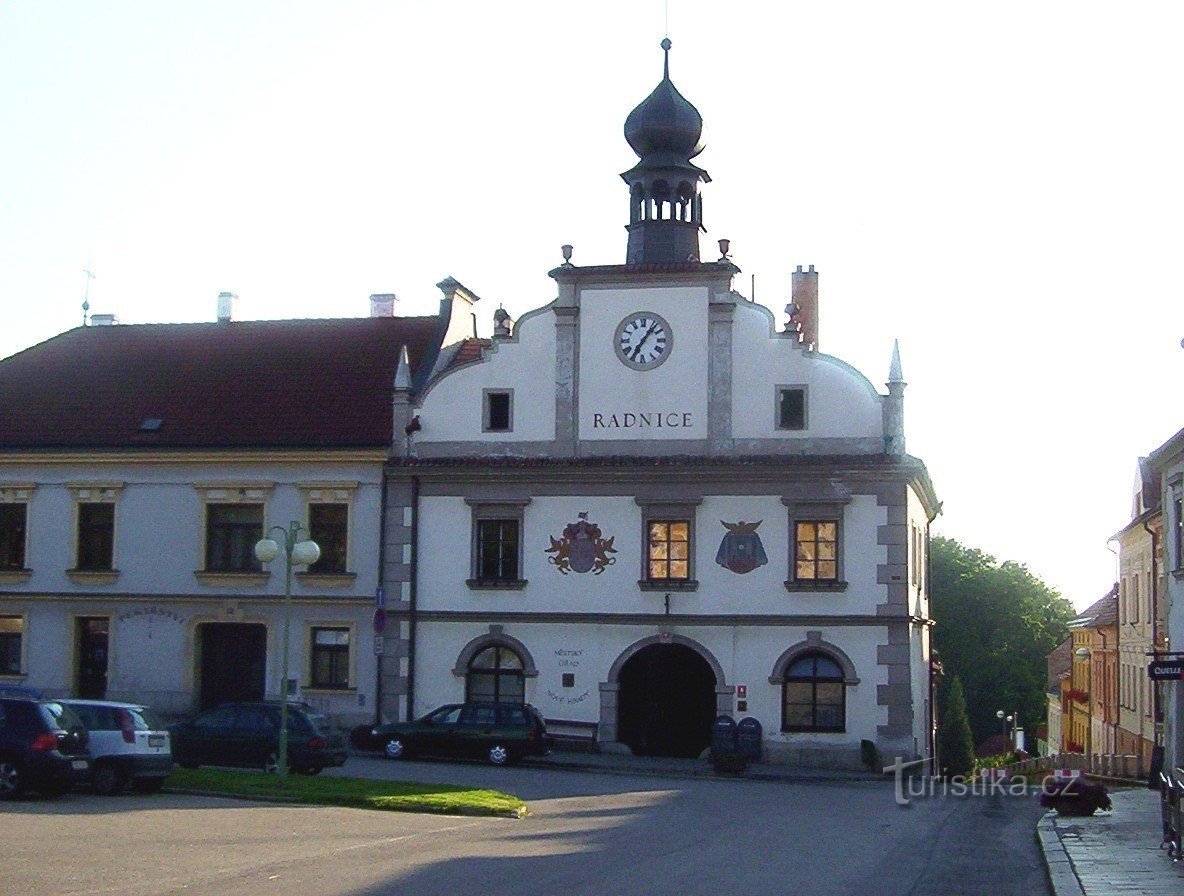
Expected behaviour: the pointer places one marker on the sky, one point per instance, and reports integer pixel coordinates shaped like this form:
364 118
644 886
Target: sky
997 186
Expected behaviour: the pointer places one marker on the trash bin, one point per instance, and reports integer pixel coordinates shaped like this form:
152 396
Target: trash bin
748 738
723 735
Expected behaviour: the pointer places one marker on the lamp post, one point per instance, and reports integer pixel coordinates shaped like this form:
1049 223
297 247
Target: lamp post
1083 653
1005 721
296 553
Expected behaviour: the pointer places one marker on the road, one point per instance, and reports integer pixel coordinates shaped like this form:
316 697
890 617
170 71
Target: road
586 834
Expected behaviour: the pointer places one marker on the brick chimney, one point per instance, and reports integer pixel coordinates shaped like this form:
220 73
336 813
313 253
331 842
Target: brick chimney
805 305
226 303
382 304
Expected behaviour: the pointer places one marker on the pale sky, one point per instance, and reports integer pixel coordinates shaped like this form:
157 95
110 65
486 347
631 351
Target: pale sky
999 186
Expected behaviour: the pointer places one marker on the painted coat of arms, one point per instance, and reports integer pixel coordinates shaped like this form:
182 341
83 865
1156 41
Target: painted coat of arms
741 550
581 548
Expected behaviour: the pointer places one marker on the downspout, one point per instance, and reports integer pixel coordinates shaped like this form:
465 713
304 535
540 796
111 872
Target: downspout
413 596
1154 608
381 588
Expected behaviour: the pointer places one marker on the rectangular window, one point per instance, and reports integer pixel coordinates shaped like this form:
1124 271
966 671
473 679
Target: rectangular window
498 414
231 533
497 550
96 536
328 526
1178 508
12 630
816 550
330 658
13 519
791 407
668 550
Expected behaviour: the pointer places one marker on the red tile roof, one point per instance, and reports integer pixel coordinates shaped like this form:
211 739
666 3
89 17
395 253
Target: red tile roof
249 384
1101 612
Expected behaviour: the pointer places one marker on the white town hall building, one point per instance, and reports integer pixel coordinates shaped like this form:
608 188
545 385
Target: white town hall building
642 506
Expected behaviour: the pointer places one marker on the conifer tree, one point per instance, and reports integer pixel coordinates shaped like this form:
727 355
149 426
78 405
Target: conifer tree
955 746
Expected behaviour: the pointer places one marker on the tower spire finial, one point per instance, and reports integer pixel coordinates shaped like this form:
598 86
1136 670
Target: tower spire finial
666 45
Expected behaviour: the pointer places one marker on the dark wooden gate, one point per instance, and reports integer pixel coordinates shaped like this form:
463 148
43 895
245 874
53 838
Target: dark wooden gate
233 660
666 701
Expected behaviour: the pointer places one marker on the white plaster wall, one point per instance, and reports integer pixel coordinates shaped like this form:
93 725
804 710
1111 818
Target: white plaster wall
677 387
452 410
446 532
160 523
747 656
841 402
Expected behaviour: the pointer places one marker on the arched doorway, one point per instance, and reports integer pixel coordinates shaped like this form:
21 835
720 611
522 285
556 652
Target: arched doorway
666 702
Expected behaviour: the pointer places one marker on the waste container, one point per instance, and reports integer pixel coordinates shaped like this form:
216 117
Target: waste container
723 735
749 737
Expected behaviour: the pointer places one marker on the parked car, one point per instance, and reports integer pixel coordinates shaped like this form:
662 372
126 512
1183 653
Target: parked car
248 735
127 746
500 733
42 747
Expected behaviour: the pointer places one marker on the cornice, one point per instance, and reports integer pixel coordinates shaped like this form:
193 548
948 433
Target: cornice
41 457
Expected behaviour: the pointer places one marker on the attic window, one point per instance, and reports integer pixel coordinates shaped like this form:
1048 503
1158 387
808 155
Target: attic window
791 407
498 412
151 424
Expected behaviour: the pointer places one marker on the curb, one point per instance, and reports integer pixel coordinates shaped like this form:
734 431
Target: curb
1061 874
516 814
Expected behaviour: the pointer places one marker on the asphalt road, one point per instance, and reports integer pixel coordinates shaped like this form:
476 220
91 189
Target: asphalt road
587 834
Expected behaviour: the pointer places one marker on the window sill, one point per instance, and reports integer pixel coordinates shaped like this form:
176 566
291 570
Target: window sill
15 576
813 730
793 585
232 579
328 692
92 576
496 584
668 584
326 579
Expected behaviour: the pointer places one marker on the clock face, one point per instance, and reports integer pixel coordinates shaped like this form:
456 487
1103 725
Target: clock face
643 340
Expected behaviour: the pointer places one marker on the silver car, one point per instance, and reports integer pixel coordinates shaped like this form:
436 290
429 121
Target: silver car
128 747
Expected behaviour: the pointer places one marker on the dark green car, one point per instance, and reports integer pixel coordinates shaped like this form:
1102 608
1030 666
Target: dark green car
500 733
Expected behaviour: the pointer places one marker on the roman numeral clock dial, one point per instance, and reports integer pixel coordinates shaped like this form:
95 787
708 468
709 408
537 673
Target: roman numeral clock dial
643 340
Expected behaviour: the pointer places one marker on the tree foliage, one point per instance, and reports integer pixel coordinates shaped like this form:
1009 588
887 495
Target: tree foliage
955 748
996 625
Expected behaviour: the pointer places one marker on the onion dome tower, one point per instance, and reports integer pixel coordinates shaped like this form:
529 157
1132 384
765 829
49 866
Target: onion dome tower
665 208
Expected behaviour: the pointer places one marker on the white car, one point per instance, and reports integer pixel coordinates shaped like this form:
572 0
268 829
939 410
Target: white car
127 746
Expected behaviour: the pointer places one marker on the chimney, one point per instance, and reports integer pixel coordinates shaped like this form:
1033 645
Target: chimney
805 302
103 320
226 302
382 304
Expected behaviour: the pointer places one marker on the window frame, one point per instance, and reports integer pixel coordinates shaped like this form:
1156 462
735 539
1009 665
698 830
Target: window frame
10 538
498 673
321 568
815 511
815 680
487 409
778 391
316 493
656 510
231 493
504 510
253 564
348 650
1176 488
22 643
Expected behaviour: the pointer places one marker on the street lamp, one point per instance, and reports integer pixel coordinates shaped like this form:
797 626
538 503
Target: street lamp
1005 721
296 553
1082 653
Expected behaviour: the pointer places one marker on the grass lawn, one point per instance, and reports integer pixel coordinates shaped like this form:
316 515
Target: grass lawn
361 793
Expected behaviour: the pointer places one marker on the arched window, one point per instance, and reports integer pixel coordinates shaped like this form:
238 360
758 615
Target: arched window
495 675
813 695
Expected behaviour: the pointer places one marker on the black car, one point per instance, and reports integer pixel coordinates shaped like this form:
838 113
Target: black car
248 735
42 747
500 733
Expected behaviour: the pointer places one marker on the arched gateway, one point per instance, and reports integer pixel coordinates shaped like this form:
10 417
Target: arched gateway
666 698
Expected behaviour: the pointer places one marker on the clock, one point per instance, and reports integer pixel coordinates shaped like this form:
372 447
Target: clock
643 340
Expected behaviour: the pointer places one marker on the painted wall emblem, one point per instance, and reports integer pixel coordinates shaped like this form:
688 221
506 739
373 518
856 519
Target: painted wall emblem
741 550
581 548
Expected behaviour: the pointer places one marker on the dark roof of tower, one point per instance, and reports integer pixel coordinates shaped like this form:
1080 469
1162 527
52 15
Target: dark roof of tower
665 128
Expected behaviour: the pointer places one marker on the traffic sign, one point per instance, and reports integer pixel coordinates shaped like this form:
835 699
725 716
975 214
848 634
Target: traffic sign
378 645
379 621
380 596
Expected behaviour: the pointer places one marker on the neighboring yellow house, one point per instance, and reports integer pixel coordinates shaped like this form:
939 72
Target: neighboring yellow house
1090 724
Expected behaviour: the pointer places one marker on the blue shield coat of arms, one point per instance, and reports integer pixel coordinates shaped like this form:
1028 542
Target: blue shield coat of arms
741 550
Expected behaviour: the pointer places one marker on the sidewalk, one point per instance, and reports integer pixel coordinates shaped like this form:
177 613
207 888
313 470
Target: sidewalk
1111 853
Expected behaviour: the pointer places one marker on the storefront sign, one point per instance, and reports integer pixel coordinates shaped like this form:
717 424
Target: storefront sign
1166 670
